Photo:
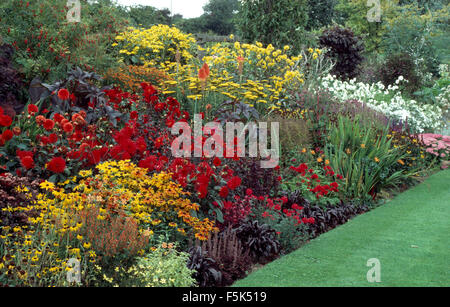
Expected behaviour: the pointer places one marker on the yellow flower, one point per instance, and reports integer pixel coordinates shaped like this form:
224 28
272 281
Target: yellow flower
377 160
363 146
85 173
47 185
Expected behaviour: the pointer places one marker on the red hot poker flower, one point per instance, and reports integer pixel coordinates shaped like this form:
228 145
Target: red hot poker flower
203 73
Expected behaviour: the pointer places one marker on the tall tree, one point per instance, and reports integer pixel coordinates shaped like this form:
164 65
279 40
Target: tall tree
320 13
148 16
276 22
219 16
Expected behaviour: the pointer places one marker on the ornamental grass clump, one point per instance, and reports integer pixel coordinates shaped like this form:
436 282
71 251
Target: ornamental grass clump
366 157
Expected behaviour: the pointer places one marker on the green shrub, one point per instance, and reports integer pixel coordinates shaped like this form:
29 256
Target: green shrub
276 22
47 44
320 13
414 33
353 14
291 234
164 267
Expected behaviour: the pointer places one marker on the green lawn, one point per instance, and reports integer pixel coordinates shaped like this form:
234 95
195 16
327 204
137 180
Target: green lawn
410 235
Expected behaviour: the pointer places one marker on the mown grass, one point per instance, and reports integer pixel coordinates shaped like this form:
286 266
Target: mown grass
409 235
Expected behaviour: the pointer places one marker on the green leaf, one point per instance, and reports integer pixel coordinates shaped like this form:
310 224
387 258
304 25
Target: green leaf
53 178
219 215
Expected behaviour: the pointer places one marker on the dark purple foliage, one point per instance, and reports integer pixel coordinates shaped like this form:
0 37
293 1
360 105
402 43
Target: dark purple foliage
11 85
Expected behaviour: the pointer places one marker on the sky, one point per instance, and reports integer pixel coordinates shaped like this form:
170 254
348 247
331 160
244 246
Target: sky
187 8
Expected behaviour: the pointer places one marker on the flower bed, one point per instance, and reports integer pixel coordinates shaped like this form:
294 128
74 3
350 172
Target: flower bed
109 194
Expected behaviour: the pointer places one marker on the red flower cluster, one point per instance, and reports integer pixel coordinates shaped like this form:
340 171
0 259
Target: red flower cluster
313 182
237 211
294 213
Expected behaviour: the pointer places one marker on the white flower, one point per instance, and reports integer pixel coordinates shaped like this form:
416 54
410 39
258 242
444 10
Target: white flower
376 96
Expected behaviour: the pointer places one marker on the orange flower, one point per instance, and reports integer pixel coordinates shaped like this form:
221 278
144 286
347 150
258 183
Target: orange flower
40 120
68 127
203 73
241 64
16 131
206 68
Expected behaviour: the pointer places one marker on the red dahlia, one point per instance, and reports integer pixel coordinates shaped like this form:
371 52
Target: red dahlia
57 165
224 192
52 138
49 124
32 109
27 162
5 120
63 94
234 183
7 135
68 127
